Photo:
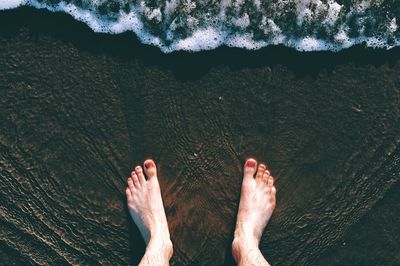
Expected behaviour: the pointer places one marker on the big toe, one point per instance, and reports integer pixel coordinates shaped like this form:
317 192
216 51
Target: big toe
150 169
250 168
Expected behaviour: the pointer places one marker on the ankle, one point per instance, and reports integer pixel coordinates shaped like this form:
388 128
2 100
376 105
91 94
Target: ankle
244 233
242 245
162 246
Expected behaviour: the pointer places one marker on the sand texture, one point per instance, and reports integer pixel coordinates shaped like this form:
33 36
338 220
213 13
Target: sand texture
79 110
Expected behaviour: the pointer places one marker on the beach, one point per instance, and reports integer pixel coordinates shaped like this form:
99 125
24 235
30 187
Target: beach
78 110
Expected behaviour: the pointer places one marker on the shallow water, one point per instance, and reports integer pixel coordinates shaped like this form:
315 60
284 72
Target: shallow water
78 110
196 25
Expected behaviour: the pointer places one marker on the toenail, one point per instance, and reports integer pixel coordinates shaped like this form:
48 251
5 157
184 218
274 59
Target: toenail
251 163
267 172
149 164
133 173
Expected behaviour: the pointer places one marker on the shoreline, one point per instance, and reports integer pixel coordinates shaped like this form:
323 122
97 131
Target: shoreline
126 45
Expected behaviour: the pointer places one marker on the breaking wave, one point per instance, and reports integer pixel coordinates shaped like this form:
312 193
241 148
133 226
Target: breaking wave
194 25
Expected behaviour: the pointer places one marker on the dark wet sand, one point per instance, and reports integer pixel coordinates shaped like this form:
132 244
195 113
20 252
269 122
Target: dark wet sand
78 110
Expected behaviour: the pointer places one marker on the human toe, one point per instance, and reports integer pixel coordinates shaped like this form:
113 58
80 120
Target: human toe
135 179
260 171
270 181
131 185
150 169
139 172
250 168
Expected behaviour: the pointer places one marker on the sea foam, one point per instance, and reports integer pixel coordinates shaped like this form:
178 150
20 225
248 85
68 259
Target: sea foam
194 25
9 4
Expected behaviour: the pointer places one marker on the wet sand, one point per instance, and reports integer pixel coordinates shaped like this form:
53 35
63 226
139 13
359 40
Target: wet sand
78 110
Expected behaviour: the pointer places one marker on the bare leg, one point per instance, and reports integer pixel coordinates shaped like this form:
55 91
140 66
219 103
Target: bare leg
257 202
147 211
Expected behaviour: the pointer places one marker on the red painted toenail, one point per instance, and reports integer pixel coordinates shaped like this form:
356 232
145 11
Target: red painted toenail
149 164
251 163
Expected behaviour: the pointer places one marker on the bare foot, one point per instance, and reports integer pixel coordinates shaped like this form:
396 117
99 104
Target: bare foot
257 202
147 211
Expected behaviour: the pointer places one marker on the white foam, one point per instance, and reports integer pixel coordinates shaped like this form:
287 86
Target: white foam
393 25
219 32
244 41
9 4
333 12
242 22
170 7
362 6
310 44
204 39
341 37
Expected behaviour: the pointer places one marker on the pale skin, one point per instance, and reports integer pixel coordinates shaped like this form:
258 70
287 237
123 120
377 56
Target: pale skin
257 202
